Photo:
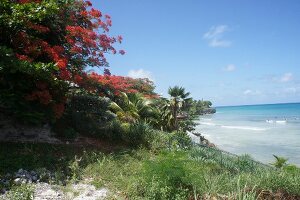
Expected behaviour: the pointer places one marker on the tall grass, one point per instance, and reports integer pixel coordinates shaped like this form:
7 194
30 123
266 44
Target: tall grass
193 173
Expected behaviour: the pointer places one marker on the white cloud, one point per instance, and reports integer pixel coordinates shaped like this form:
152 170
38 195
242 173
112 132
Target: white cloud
286 77
229 68
215 36
140 73
251 92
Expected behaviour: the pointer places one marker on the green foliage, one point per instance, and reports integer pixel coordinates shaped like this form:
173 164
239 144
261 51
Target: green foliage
168 174
179 103
159 140
280 162
179 140
87 115
20 192
18 80
229 162
138 134
165 177
199 107
75 169
131 108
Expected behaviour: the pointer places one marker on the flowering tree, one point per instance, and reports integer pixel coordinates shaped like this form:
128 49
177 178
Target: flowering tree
47 44
112 86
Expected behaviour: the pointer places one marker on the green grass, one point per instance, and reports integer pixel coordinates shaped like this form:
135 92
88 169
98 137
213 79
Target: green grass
165 174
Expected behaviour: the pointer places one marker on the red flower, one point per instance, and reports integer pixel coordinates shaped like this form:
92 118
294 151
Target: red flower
78 79
64 74
24 58
39 28
95 13
62 63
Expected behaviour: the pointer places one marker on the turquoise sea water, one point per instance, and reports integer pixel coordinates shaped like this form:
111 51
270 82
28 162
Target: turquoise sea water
258 130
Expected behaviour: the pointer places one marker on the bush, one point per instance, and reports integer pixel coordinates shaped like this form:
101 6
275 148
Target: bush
180 140
158 141
87 115
113 131
20 192
138 134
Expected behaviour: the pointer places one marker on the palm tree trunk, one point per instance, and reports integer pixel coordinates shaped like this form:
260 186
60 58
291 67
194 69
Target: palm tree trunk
175 114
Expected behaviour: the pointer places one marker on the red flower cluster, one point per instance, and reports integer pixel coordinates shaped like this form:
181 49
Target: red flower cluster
38 28
72 40
24 58
114 83
117 84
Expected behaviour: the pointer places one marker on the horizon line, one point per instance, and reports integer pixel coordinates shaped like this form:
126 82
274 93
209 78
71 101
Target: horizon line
260 104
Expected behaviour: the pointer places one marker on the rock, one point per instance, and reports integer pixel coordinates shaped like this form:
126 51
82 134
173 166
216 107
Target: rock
3 191
89 192
34 178
10 130
44 191
5 183
28 176
18 181
8 175
20 171
33 173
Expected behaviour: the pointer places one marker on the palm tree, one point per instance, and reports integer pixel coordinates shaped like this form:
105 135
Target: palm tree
179 99
132 108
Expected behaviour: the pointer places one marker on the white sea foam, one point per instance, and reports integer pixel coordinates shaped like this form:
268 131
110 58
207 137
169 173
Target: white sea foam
208 123
281 121
245 128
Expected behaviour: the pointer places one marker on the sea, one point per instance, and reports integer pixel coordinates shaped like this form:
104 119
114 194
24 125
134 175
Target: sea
260 131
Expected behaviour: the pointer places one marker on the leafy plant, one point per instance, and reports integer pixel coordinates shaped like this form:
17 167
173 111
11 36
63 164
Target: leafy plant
280 162
21 192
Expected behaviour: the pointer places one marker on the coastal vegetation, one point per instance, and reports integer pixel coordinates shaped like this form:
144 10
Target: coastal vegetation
138 148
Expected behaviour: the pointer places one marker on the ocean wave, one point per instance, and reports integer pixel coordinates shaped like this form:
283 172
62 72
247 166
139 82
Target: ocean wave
245 128
281 121
276 121
208 123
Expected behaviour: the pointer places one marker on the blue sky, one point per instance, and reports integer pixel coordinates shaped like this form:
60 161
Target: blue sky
230 52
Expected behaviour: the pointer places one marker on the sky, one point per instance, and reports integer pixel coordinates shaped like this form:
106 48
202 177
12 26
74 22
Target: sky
231 52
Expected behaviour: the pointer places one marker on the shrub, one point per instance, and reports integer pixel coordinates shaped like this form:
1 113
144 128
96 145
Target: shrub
20 192
179 139
158 141
138 134
87 115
